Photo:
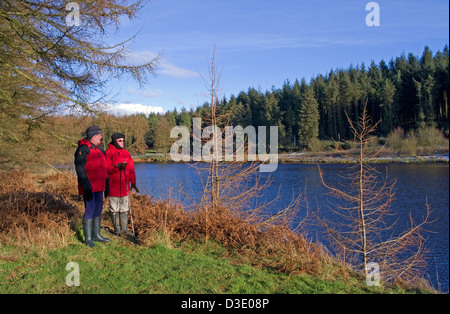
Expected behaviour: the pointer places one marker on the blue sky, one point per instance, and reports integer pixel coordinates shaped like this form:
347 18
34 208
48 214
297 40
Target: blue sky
262 44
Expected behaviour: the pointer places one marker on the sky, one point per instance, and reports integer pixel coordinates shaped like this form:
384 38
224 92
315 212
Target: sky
262 44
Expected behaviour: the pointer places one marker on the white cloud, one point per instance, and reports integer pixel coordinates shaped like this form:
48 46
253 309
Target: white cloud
174 71
147 93
127 109
163 66
151 93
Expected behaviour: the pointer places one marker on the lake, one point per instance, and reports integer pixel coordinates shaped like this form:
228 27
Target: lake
416 184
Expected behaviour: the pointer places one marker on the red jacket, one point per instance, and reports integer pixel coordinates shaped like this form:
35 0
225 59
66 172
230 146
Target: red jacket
117 184
90 165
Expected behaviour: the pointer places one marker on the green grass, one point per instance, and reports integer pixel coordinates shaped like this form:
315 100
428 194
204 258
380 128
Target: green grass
121 267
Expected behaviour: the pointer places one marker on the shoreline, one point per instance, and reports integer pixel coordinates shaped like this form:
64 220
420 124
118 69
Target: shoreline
305 158
321 158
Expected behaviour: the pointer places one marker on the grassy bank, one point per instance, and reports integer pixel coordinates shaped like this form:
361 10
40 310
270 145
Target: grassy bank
121 267
40 232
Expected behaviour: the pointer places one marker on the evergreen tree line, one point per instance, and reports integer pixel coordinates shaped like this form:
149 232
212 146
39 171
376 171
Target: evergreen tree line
406 92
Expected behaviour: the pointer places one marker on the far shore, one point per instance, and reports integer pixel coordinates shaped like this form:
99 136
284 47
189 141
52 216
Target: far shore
322 157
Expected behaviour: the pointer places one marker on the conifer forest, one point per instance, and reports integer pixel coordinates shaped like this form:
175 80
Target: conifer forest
407 91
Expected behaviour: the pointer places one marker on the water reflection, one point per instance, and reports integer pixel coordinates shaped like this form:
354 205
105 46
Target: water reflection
416 184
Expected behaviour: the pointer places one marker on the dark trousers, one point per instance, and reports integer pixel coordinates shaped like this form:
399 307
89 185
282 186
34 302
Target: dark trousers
94 206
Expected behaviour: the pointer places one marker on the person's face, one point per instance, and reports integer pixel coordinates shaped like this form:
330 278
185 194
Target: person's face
120 142
96 139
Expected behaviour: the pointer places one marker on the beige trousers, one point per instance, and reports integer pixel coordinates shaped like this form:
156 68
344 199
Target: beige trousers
118 204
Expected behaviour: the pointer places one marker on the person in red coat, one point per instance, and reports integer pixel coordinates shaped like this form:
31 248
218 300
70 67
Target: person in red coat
121 173
90 166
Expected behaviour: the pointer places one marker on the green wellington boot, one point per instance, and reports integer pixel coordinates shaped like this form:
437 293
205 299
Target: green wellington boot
96 236
87 230
124 223
116 222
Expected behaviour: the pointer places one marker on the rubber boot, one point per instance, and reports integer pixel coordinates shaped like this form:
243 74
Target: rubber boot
115 219
124 223
87 230
96 236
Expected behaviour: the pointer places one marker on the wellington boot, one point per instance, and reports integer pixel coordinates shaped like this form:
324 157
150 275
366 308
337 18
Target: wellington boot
87 230
96 236
115 219
124 224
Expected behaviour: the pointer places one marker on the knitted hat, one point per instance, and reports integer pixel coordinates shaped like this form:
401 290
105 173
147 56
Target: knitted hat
92 130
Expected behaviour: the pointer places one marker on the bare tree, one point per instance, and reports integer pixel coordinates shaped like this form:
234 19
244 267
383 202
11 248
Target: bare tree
361 223
231 184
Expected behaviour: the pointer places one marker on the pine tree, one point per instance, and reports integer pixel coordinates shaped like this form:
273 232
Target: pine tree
273 115
427 72
332 94
319 86
387 100
309 119
289 117
442 86
257 105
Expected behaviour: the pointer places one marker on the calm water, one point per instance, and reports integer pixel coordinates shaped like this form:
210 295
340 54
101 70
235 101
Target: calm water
416 183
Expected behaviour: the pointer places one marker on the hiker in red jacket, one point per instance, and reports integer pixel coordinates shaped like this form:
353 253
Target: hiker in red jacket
121 173
90 165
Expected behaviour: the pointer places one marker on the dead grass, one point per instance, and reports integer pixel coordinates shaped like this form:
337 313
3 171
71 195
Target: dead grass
39 212
31 215
275 246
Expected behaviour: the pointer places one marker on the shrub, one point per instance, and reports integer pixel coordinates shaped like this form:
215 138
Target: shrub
395 139
346 145
330 146
409 145
430 138
315 145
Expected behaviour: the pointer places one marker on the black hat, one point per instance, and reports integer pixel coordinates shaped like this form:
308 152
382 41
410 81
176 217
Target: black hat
114 139
92 130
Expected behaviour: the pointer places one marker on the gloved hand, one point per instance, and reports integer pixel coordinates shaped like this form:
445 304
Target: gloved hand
133 186
87 194
121 165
